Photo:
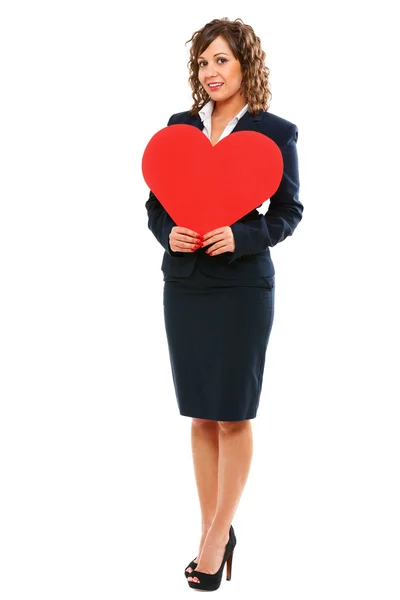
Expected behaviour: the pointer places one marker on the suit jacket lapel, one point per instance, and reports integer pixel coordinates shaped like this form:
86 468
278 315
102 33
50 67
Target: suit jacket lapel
247 122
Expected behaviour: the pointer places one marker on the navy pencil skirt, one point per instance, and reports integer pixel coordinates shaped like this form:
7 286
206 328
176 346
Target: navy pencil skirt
217 332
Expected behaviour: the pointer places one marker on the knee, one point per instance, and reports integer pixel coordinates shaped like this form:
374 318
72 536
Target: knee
232 426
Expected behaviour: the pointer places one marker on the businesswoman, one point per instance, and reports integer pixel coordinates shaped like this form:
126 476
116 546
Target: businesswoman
219 289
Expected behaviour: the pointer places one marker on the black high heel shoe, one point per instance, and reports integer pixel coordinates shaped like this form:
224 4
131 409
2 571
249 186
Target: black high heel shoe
211 581
193 564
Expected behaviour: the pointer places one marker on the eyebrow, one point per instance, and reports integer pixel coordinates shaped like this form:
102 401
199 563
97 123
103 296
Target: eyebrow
215 54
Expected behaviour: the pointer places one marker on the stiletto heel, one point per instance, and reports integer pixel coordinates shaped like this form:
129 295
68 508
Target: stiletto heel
212 581
229 567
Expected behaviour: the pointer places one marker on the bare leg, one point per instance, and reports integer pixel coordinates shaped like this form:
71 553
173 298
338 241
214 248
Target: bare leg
235 454
205 461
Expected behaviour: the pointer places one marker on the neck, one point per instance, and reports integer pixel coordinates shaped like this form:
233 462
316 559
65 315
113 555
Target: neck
227 109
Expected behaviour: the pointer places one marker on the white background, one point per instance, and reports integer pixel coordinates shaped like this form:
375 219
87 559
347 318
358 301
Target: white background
97 484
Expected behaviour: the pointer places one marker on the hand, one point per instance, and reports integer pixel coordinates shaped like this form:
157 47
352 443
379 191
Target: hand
222 240
182 239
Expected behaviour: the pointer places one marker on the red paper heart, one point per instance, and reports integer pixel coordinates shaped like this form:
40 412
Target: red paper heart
203 187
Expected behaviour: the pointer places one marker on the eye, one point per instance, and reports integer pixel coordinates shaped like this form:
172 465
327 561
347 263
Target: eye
223 59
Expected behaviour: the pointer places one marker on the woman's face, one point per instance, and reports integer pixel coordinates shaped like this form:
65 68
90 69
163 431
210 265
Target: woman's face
217 64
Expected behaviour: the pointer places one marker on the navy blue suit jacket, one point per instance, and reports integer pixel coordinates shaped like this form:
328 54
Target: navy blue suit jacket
254 233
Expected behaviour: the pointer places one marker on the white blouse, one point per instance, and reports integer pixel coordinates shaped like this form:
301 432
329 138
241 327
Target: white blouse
205 115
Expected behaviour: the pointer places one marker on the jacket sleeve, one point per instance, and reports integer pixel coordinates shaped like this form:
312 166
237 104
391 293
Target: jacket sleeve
284 212
159 221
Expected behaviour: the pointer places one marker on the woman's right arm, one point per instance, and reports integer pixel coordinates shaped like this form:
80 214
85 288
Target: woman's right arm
160 223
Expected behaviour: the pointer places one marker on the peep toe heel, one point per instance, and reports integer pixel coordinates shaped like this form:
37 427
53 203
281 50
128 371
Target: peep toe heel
193 564
212 581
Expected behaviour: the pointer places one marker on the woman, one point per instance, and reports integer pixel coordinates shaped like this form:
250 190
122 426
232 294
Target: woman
219 290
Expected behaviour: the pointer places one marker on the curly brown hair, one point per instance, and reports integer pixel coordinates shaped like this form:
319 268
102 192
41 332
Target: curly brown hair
246 47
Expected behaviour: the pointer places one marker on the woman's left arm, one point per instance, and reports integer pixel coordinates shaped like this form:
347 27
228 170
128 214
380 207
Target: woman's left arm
284 212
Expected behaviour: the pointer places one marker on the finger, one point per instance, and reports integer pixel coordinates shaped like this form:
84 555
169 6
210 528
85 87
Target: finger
192 244
188 232
194 238
177 248
217 248
187 238
214 238
209 234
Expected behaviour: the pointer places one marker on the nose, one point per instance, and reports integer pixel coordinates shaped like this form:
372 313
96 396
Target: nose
209 73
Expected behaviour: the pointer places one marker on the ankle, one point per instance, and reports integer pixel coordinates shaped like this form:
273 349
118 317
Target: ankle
218 534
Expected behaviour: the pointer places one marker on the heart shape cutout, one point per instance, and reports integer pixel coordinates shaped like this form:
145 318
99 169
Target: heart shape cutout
203 187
